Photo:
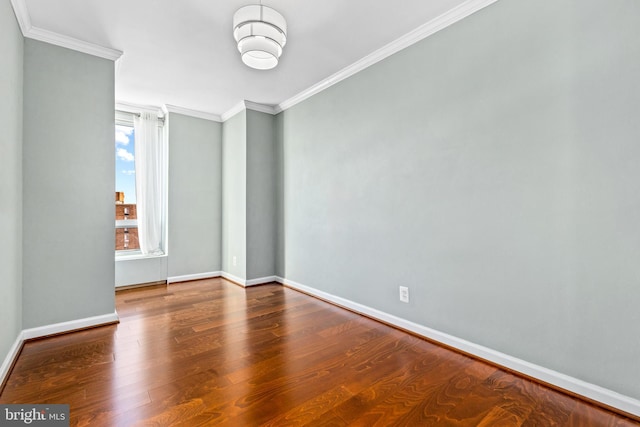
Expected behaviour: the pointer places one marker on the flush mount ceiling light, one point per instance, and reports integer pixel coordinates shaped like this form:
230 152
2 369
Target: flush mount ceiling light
261 33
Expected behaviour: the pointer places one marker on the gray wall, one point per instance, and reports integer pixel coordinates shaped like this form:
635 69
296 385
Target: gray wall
234 195
195 195
11 59
68 170
261 195
493 169
280 269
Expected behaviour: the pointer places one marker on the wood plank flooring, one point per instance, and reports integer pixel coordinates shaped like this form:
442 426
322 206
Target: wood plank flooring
212 353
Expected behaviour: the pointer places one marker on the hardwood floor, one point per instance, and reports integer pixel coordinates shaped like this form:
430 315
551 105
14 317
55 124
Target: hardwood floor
212 353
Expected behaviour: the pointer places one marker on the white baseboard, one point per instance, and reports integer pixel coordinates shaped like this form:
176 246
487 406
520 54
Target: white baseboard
590 391
251 282
261 280
187 277
43 331
58 328
234 279
243 282
10 358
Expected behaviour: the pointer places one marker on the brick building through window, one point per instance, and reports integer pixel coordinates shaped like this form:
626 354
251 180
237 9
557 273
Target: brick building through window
126 236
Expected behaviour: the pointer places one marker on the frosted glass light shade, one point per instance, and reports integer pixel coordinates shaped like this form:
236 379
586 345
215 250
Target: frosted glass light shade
261 33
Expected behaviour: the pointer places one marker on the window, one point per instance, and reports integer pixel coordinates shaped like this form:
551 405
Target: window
128 204
126 212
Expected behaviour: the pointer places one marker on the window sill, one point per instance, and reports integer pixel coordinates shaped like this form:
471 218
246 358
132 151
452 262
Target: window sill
131 255
127 223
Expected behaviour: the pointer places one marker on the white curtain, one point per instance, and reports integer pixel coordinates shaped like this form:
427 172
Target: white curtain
149 182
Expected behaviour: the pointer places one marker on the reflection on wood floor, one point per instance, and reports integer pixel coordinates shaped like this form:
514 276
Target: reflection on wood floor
212 353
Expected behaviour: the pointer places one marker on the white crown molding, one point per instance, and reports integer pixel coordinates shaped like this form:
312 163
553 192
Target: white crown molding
73 325
262 108
443 21
590 391
129 107
188 277
73 44
248 105
193 113
29 31
239 107
22 15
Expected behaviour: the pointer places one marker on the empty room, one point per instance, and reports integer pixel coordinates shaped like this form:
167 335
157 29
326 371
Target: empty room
320 213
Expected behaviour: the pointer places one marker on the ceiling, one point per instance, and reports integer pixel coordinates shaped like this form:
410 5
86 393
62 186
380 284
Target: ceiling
182 53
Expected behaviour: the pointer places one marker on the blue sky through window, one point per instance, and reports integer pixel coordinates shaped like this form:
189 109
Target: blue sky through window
125 163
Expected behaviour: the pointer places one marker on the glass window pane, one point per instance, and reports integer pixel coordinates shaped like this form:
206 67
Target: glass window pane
127 239
125 197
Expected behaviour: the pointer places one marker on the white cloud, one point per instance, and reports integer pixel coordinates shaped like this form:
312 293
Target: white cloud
122 134
124 155
129 172
122 138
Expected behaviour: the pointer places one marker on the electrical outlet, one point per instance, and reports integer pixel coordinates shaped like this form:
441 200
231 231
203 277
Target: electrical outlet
404 294
235 261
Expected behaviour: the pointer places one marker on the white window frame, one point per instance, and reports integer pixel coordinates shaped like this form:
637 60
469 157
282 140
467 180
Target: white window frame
125 118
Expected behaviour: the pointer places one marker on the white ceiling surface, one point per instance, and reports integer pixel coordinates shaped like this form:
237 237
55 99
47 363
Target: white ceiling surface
182 53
